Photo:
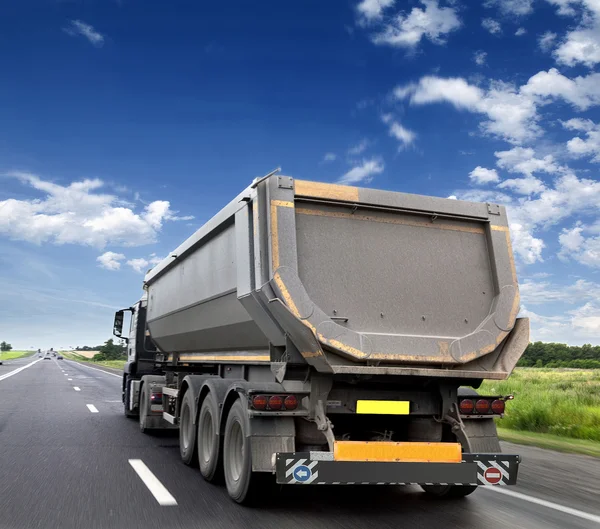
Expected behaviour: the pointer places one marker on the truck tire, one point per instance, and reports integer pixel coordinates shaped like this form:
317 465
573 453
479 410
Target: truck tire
209 457
143 410
449 491
126 396
187 429
237 456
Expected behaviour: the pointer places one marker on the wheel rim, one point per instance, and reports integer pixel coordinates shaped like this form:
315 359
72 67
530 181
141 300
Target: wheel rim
236 451
185 426
207 432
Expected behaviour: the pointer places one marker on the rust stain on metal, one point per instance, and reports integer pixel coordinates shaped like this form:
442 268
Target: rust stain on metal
343 347
311 354
330 191
282 203
225 358
402 222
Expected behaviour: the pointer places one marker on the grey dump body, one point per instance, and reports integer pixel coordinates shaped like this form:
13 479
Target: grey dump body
345 279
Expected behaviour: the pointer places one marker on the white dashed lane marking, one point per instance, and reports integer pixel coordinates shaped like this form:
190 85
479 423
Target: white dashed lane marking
158 490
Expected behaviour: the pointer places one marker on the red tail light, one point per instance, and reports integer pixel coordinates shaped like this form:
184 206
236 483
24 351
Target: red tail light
498 407
290 402
259 402
275 402
482 406
466 406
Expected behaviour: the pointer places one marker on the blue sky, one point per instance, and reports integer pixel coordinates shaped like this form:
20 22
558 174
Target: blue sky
127 124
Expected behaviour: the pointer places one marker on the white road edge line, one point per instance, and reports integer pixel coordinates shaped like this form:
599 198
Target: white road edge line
158 490
545 503
76 388
92 408
11 373
96 369
69 379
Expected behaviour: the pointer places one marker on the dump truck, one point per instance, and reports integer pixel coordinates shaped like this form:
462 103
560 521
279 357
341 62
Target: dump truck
314 333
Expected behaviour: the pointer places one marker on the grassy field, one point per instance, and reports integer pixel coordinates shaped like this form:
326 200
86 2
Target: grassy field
564 403
83 356
11 355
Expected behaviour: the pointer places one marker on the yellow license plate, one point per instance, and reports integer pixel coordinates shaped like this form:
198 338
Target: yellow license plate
390 451
383 407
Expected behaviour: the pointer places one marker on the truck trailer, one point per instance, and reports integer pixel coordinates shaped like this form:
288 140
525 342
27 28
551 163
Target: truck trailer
314 333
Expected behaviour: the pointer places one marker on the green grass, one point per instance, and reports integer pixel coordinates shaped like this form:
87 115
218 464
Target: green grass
561 402
551 442
115 364
11 355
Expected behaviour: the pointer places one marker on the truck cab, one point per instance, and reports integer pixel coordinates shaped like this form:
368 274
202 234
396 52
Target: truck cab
140 353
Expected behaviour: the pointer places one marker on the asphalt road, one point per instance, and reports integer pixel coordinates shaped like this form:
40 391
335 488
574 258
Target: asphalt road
62 465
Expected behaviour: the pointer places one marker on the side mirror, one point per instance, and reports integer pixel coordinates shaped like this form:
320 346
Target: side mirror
118 325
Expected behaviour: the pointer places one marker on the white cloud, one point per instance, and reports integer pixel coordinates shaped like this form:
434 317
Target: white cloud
544 292
481 175
512 7
329 157
525 245
406 30
363 172
512 112
590 146
141 264
574 245
523 160
77 27
566 197
511 115
359 148
565 6
520 32
110 260
493 26
581 92
524 186
372 10
404 136
547 40
78 214
587 319
480 57
582 44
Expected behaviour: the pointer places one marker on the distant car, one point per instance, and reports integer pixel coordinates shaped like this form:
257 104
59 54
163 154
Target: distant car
47 357
59 357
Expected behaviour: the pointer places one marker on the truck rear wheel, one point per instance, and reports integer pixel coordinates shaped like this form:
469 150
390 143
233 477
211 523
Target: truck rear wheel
187 429
237 456
208 439
449 491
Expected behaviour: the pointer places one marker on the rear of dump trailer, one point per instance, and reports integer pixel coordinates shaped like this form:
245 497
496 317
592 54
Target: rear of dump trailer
328 334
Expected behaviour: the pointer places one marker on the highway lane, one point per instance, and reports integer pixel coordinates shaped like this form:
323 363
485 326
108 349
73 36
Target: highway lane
64 466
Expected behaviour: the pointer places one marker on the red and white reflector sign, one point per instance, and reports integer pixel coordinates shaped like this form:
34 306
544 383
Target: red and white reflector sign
492 476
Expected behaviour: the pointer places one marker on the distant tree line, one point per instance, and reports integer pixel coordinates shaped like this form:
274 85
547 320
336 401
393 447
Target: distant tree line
110 351
5 346
88 348
540 354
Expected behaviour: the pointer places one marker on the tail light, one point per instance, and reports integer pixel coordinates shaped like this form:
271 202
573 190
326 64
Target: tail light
259 402
274 402
498 406
466 406
290 402
482 406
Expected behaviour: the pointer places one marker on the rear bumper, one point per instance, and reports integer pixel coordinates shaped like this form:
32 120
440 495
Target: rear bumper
319 468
